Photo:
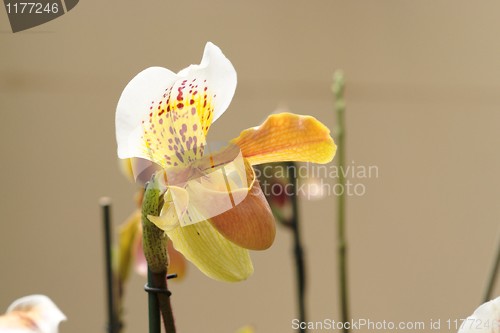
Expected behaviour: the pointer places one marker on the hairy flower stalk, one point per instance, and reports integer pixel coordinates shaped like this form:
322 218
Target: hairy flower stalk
154 239
155 251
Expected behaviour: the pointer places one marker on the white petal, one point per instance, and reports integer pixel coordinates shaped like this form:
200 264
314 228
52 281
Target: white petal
158 104
134 106
219 74
486 319
40 310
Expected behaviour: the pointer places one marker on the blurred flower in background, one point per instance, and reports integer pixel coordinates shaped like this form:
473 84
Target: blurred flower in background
279 179
274 184
32 314
486 319
246 329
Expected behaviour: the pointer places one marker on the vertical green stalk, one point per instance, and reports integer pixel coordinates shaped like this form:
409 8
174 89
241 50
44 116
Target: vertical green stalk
298 251
155 251
493 277
113 322
338 91
153 308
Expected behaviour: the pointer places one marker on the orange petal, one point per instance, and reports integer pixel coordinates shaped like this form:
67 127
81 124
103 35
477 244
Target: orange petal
250 224
177 263
287 137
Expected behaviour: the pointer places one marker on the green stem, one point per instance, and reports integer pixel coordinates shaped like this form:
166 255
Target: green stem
113 319
338 90
155 251
298 250
493 277
154 308
160 281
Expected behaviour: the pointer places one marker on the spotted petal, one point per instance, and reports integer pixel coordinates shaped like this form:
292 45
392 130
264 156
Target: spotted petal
128 239
133 106
220 77
287 137
168 124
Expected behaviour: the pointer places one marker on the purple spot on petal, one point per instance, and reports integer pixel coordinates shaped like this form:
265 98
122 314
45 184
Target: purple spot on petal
179 156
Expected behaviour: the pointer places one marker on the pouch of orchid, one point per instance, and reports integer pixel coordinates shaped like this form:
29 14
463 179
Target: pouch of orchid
211 205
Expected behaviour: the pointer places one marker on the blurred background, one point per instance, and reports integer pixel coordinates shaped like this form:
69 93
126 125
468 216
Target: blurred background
423 107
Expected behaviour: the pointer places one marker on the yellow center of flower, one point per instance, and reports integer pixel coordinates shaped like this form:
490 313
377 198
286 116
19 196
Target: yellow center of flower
175 130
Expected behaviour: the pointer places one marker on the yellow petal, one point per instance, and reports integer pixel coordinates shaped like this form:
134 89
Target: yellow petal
126 168
287 137
128 234
250 224
175 205
175 133
214 255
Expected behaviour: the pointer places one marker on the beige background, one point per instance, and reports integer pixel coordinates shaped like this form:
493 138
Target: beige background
423 106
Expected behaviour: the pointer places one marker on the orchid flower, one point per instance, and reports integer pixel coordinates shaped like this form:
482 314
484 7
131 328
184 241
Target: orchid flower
32 314
213 210
485 319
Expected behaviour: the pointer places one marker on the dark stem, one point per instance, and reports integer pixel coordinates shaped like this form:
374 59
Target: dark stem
297 249
338 90
159 280
154 308
493 276
113 323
